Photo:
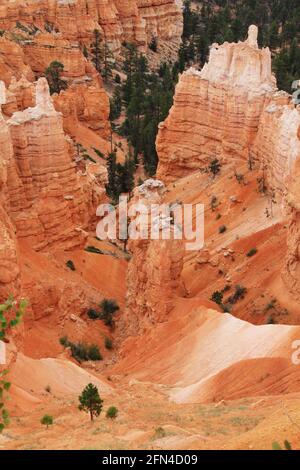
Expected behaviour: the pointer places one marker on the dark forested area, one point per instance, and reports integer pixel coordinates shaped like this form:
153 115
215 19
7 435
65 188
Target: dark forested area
211 21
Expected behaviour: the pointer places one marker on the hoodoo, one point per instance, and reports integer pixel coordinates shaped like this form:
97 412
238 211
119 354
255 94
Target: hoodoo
217 110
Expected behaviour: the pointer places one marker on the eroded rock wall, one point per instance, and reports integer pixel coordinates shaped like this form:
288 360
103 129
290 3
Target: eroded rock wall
217 111
153 277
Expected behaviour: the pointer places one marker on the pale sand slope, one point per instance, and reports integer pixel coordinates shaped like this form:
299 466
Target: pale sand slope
30 378
192 352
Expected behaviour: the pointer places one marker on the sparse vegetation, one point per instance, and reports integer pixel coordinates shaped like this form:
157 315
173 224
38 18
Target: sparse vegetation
82 351
159 433
214 203
47 420
222 229
276 446
90 401
108 308
239 294
112 412
15 311
270 320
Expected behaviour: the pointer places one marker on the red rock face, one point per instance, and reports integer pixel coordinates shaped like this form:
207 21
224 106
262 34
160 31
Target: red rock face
153 277
9 272
86 104
119 20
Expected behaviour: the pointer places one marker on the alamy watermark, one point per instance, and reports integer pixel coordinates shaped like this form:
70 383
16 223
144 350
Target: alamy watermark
150 221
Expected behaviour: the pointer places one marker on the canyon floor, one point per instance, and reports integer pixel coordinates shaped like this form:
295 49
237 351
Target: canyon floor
183 383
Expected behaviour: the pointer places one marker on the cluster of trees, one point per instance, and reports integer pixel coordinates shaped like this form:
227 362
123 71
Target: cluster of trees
101 55
221 20
146 97
120 176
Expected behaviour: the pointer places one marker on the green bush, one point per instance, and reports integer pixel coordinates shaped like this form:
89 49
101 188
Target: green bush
252 252
93 314
94 353
108 343
112 412
47 420
217 297
277 446
108 308
153 44
222 229
93 249
64 341
82 351
70 265
215 166
239 293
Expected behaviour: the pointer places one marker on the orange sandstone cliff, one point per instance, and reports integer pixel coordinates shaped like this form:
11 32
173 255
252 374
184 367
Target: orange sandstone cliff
119 20
217 110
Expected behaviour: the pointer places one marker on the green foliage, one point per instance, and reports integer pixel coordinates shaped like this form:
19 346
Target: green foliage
277 446
239 294
93 249
214 203
93 314
222 229
70 265
270 320
219 21
112 412
53 75
101 56
147 97
82 351
47 420
116 104
217 297
64 341
252 252
108 343
214 167
11 314
90 401
120 177
108 308
153 44
2 32
99 153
